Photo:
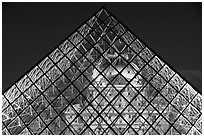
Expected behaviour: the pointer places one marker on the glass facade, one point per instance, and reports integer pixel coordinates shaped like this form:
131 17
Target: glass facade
102 80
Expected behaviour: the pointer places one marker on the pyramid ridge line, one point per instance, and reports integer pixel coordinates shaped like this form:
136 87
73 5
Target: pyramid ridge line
53 49
85 22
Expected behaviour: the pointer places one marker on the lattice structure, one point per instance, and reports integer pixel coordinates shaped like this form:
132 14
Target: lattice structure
102 80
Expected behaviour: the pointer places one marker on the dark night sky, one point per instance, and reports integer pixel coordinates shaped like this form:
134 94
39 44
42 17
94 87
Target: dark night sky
31 30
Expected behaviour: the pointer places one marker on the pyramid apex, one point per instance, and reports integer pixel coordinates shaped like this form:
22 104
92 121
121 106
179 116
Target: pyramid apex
103 13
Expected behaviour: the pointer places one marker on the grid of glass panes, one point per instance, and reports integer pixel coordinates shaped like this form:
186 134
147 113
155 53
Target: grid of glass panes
61 96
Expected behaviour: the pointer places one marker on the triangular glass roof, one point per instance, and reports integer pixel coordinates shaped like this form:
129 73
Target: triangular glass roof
102 80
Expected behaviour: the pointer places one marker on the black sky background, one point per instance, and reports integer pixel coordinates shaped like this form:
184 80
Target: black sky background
31 30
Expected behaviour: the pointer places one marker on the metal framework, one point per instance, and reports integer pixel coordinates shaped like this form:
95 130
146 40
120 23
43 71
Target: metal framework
102 80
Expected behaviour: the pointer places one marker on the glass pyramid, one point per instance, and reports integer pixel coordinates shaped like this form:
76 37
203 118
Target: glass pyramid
102 80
